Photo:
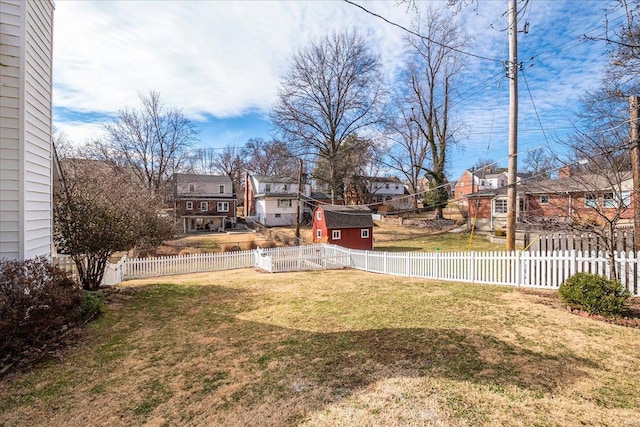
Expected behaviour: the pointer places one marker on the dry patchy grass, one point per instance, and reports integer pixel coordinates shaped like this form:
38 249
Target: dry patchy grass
341 348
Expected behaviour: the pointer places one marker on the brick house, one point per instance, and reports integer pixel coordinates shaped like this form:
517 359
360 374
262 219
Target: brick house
485 179
343 225
204 202
562 201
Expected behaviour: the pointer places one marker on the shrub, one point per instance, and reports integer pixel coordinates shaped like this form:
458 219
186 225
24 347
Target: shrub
594 294
253 244
37 301
231 248
500 232
92 304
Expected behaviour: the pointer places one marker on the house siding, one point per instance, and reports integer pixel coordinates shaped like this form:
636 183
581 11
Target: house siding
25 128
350 237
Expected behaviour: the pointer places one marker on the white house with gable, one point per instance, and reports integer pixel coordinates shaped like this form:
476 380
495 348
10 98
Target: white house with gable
273 201
26 149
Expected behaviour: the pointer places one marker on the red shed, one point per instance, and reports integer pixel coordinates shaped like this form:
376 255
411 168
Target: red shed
347 226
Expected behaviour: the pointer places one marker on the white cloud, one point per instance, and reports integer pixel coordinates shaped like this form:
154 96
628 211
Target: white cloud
219 58
79 132
225 58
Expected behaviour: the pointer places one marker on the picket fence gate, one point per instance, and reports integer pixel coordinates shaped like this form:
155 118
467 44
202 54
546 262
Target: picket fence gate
545 270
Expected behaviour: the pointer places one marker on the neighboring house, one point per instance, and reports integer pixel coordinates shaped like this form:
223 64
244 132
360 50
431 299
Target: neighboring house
377 191
347 226
26 149
273 201
204 202
561 201
476 181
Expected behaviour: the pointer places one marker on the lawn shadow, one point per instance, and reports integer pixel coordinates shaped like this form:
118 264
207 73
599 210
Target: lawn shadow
332 366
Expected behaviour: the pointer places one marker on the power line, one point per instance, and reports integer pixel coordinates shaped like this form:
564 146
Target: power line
403 28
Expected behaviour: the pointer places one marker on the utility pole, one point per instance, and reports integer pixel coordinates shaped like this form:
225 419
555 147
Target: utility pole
634 107
298 206
513 126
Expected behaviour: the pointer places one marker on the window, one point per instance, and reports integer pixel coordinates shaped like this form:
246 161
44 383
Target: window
223 206
278 215
284 203
221 188
522 205
319 215
286 187
591 200
192 188
204 206
364 233
189 206
335 234
544 199
500 207
318 233
608 201
625 196
397 186
267 188
386 186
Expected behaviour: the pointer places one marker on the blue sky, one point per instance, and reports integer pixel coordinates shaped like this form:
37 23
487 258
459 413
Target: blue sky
220 61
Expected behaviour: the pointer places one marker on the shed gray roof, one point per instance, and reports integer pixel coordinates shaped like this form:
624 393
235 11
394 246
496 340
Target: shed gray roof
345 216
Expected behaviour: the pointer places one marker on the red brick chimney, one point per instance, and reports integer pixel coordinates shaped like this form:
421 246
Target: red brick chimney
564 172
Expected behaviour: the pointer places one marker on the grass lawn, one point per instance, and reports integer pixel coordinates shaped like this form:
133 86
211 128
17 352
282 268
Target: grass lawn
332 348
443 241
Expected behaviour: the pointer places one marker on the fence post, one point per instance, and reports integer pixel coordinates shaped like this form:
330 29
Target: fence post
572 263
518 257
123 272
385 262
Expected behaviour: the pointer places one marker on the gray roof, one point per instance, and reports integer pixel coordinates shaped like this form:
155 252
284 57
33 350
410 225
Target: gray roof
275 179
345 216
185 178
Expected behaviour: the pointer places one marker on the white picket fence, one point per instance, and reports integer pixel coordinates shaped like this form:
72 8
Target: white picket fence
540 270
547 270
300 258
137 268
113 273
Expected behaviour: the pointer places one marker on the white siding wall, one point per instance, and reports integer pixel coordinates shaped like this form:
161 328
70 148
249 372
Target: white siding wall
267 209
25 129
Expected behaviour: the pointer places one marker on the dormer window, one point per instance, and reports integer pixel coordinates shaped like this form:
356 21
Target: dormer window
192 188
286 187
221 188
267 188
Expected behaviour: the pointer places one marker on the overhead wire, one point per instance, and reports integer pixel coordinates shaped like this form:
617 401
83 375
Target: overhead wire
414 33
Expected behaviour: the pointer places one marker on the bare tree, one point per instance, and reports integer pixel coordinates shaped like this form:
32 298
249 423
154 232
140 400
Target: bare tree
332 91
151 141
408 152
357 159
429 81
485 163
229 161
270 158
539 163
99 210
